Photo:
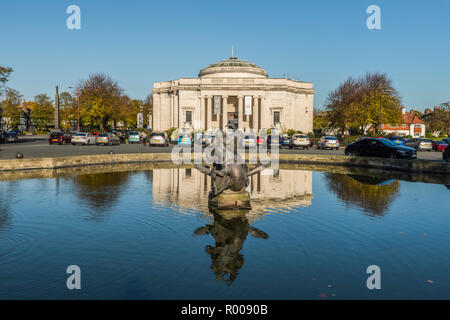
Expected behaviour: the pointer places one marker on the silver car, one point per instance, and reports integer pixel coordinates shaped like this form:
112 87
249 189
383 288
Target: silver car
421 144
84 138
329 142
107 139
300 141
159 139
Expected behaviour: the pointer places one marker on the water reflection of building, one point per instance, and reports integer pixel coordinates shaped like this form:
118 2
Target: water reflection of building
372 194
273 189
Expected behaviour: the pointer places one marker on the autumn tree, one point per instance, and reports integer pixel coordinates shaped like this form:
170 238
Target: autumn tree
42 111
439 119
4 74
11 107
68 109
100 99
362 103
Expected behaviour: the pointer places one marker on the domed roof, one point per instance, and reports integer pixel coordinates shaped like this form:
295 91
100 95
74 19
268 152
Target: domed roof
233 65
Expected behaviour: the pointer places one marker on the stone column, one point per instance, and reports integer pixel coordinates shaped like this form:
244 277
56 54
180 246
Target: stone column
202 119
209 113
263 113
255 113
240 112
224 112
172 108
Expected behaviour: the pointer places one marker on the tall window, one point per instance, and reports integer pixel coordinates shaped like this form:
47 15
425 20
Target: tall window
276 117
189 117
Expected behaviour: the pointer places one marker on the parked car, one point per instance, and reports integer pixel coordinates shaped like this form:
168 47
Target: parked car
184 139
209 139
83 138
439 145
11 136
159 139
260 140
397 140
379 147
446 154
59 138
330 142
16 131
273 141
300 141
421 144
108 138
134 137
285 141
249 141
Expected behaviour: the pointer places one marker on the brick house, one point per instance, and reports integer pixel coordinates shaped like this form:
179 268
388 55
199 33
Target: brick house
410 126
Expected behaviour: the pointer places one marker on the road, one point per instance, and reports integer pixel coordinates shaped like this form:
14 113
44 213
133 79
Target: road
38 147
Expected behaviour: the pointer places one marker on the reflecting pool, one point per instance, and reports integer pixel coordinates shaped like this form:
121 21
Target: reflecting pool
150 235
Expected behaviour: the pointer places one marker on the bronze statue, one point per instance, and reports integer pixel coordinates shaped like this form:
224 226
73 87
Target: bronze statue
230 174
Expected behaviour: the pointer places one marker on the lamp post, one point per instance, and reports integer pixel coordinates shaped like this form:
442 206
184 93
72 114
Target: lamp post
78 107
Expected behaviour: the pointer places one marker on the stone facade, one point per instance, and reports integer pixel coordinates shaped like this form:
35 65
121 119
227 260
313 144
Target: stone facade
238 87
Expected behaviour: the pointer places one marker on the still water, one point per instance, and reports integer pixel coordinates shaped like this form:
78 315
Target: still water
149 235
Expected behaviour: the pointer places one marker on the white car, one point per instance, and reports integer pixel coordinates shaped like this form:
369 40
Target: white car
84 138
300 141
249 141
328 142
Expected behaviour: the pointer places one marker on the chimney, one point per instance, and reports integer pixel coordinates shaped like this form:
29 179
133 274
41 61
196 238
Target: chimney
403 110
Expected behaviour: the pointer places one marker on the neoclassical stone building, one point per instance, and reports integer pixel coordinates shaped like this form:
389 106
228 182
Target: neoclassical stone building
234 92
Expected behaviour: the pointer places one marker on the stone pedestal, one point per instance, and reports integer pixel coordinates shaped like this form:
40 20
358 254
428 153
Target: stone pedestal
230 200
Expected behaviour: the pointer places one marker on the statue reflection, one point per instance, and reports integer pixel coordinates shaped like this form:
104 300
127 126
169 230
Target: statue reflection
230 229
372 194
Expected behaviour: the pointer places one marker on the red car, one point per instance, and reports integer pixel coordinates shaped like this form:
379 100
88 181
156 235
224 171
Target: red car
439 145
59 138
95 133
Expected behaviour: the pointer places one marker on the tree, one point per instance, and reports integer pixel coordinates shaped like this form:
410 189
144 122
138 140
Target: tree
100 100
42 111
439 120
11 107
68 109
362 103
4 74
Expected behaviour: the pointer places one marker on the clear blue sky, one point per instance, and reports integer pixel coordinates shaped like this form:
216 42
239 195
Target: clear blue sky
139 42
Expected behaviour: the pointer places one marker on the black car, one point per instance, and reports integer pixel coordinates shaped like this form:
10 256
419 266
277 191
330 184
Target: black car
379 147
446 154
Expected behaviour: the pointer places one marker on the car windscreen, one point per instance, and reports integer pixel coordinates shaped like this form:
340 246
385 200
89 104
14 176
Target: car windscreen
56 134
425 140
387 142
158 134
298 136
81 135
330 138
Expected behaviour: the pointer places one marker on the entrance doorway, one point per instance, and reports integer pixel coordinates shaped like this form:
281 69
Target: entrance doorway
233 120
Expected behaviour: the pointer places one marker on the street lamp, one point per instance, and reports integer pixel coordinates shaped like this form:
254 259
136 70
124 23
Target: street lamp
78 106
388 91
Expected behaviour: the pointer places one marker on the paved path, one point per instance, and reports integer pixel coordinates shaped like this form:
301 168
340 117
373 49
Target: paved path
38 147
